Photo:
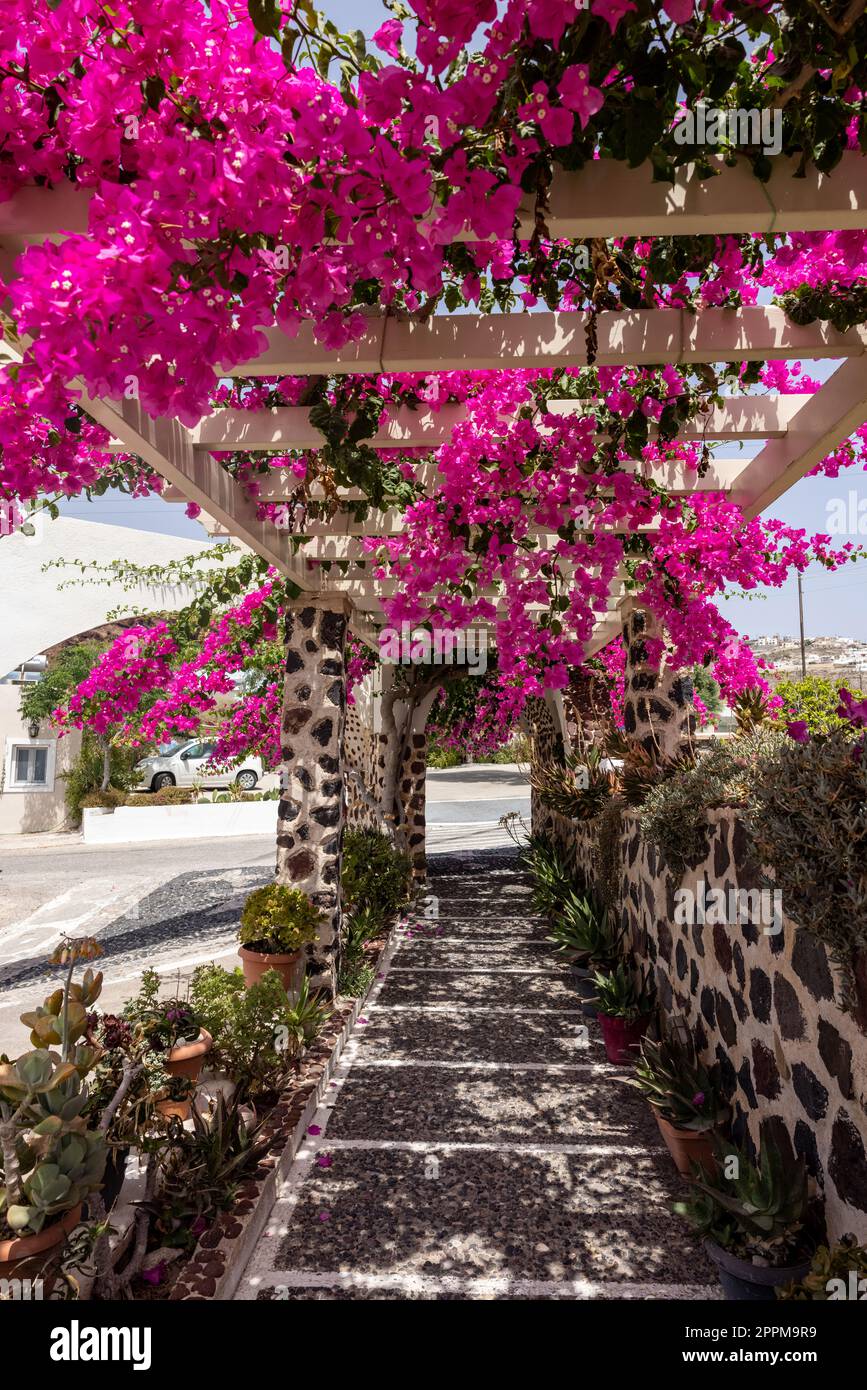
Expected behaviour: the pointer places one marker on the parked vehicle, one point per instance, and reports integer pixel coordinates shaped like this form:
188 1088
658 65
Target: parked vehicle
186 764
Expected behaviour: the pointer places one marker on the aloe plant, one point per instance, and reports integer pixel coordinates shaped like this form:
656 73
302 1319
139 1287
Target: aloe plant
582 927
620 995
676 1083
758 1211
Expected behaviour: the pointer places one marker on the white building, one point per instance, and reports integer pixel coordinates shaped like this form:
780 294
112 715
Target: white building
37 616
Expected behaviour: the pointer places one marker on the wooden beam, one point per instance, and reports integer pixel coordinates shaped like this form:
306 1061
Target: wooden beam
287 428
826 420
477 342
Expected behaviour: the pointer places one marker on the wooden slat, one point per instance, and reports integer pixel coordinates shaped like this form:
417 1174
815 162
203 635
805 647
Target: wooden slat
496 341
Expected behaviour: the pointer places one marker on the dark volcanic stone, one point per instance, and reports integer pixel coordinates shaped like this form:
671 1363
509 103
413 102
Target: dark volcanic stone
693 977
708 1006
680 960
746 1084
664 941
788 1009
725 1019
727 1073
722 947
760 995
807 1149
773 1131
765 1071
810 962
847 1164
836 1053
721 857
810 1091
740 967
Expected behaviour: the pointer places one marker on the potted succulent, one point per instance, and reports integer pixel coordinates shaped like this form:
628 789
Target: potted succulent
276 923
836 1272
584 934
682 1094
169 1034
625 1007
50 1159
755 1219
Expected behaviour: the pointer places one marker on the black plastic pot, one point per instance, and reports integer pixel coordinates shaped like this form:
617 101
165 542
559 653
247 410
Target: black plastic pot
743 1281
586 989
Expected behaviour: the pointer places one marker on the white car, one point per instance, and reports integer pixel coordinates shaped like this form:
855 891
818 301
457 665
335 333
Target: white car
186 764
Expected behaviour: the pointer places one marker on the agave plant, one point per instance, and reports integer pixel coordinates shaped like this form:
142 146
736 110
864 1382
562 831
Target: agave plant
751 709
620 995
553 879
580 789
758 1211
585 929
675 1082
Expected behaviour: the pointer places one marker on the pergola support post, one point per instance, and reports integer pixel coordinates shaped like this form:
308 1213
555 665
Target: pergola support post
311 812
658 712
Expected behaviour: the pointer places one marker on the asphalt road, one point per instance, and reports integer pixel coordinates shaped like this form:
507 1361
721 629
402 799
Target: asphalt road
173 905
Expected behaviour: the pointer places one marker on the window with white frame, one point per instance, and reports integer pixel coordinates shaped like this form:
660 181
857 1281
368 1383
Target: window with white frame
29 766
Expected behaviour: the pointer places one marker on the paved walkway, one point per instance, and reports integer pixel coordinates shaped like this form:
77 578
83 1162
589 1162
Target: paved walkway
475 1143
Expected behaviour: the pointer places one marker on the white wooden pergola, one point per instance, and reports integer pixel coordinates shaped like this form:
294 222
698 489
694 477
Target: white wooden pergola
604 199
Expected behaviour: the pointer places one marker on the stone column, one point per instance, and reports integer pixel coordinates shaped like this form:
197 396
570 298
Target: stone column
657 702
311 811
411 784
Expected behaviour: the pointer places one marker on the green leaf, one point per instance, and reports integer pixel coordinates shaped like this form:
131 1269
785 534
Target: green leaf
265 16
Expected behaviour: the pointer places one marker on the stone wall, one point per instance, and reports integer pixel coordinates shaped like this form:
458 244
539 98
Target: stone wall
764 1004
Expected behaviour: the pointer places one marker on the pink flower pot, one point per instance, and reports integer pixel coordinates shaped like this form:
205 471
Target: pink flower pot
621 1038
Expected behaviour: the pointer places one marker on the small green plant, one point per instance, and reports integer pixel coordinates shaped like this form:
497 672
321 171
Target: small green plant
375 875
808 820
553 878
837 1272
256 1035
585 929
580 788
676 1083
308 1015
277 920
356 967
619 995
758 1211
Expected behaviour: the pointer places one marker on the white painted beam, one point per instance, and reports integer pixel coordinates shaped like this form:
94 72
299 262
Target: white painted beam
496 341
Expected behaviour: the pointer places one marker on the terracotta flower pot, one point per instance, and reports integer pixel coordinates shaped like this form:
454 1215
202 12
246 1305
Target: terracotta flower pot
686 1146
621 1038
289 968
741 1280
187 1059
24 1256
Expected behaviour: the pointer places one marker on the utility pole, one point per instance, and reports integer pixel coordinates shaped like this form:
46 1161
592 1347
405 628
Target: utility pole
801 616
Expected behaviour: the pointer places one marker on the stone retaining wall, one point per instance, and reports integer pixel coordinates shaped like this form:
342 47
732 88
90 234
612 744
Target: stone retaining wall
765 1005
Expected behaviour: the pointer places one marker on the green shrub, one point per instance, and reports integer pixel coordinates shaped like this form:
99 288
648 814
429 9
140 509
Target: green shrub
356 966
375 875
108 800
444 757
815 700
808 820
166 796
84 778
257 1033
249 1026
674 813
278 920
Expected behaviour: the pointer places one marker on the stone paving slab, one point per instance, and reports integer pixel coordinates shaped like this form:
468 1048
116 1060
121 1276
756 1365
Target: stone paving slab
490 927
554 992
520 1215
523 1106
474 955
508 1037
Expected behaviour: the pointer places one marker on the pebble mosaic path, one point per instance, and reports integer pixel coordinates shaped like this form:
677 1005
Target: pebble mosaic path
475 1143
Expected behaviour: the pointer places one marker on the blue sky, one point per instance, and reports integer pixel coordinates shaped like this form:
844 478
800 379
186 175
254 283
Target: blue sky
834 603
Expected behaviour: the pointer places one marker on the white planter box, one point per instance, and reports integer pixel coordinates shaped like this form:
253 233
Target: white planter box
206 821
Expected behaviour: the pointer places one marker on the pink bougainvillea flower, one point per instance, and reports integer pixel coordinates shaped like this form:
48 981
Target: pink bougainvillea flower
612 11
155 1275
325 1161
578 95
679 11
314 1129
798 730
325 1216
388 36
